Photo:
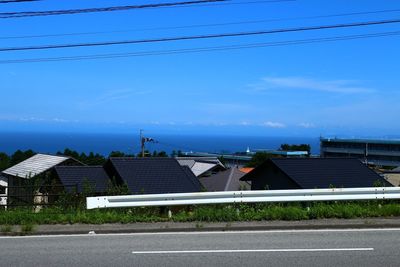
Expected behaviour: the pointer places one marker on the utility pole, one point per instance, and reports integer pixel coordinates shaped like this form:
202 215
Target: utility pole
143 141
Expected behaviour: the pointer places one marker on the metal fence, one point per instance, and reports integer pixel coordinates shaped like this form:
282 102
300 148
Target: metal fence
33 196
301 195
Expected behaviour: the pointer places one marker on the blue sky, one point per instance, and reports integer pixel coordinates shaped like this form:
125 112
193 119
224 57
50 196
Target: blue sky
331 88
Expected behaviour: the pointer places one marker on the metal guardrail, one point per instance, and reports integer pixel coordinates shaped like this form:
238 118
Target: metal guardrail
300 195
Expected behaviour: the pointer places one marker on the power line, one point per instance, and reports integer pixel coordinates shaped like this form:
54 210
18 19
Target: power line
198 37
245 3
7 15
202 25
203 49
16 1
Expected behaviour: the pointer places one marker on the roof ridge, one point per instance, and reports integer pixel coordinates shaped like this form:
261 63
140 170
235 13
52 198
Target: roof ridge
324 158
81 166
140 158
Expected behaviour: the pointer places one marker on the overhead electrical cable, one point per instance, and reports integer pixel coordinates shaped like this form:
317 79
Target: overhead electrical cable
5 15
200 25
202 49
199 37
16 1
245 3
8 15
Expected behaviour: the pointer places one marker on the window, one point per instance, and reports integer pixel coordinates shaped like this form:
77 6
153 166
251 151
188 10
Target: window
2 190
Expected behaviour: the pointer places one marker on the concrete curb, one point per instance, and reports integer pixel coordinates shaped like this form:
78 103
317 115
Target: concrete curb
164 227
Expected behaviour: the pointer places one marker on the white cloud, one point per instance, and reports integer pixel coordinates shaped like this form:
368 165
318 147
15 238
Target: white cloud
115 95
272 124
227 107
306 125
35 119
303 83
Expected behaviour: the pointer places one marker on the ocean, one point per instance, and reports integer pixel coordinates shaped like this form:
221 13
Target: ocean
105 143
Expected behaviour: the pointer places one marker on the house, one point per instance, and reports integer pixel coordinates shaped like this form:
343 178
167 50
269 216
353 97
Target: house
228 180
312 173
152 175
392 176
93 179
375 152
3 191
21 177
202 166
34 166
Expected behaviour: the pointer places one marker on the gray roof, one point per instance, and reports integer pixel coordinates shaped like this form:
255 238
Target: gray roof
200 165
35 165
205 159
228 180
396 169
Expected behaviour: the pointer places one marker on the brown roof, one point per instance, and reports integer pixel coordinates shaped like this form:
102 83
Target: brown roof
246 170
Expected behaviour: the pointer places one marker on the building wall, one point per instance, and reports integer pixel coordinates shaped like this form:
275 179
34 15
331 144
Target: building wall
383 154
3 190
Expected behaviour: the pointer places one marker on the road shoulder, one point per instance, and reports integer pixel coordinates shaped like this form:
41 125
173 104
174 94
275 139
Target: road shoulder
155 227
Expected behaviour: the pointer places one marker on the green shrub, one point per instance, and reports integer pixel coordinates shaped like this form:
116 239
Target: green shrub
204 213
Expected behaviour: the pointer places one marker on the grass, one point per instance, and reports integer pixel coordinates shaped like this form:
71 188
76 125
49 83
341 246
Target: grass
6 228
203 213
27 228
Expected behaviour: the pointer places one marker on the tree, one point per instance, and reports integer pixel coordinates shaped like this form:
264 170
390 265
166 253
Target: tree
146 154
175 153
69 153
116 154
301 147
222 160
162 154
4 161
259 158
20 156
90 159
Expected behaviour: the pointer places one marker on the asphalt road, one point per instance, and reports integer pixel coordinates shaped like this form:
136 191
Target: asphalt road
369 247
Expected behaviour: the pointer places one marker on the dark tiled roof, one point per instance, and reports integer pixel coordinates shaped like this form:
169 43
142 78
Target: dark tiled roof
310 173
228 180
192 177
155 175
95 175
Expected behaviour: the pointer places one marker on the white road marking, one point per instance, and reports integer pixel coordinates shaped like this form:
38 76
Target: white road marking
253 250
210 233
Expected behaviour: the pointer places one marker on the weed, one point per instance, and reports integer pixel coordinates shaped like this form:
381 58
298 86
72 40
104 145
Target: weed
27 228
203 213
199 225
6 228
